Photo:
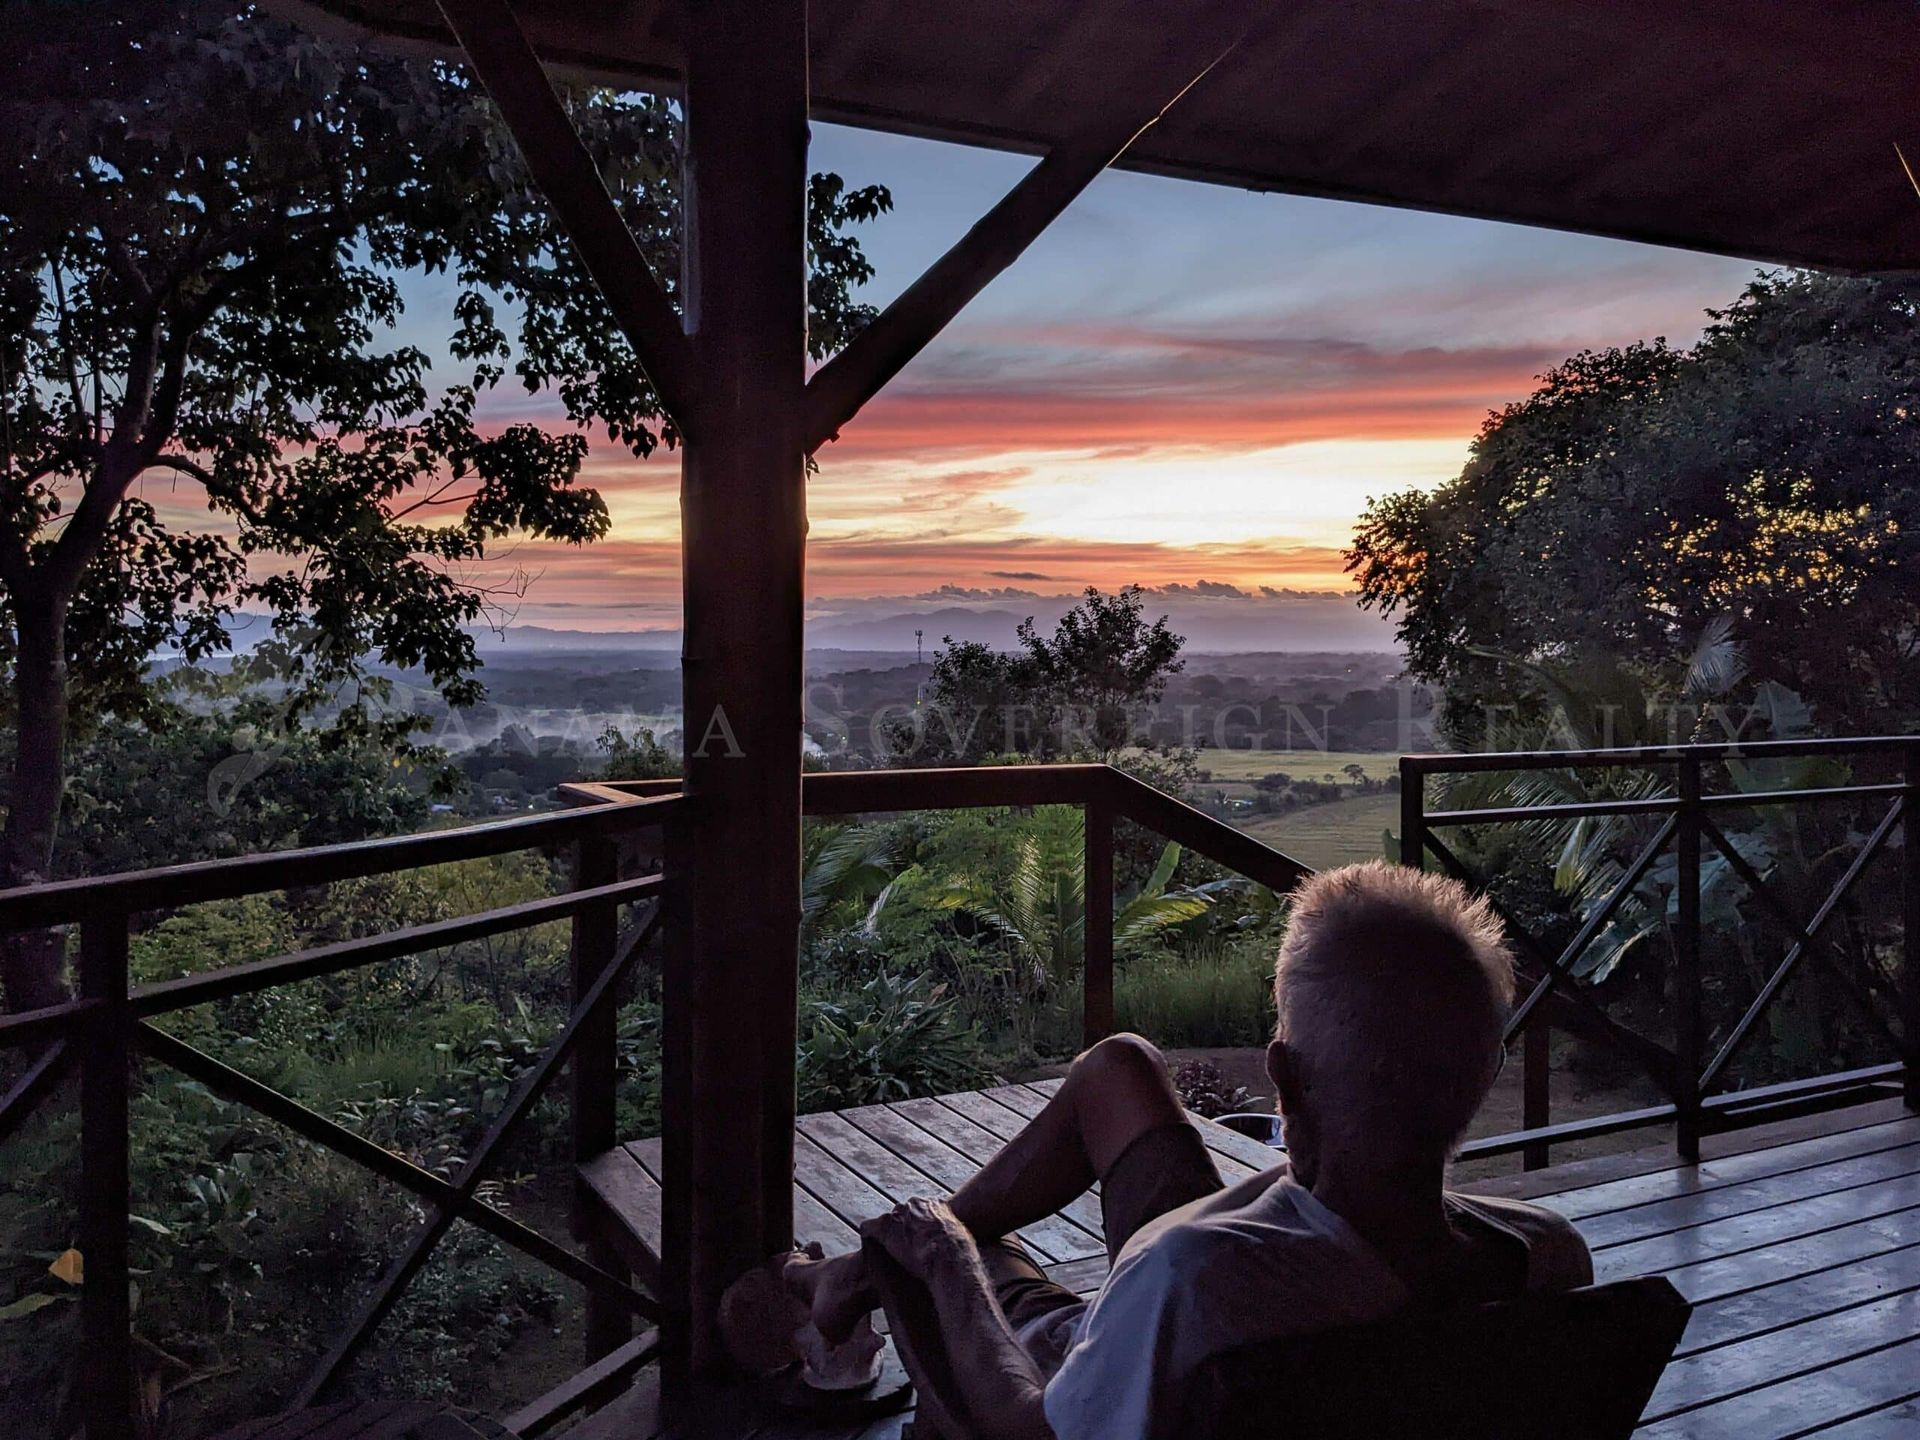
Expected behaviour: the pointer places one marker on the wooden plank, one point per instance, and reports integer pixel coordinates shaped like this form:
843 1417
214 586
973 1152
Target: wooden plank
1600 1169
1020 1099
815 1224
987 1112
632 1197
1682 1211
607 1378
1896 1422
1781 1355
1752 1232
1231 1145
357 1420
1805 1297
812 1221
1731 1170
1051 1239
830 1182
980 1145
1803 1404
1083 1277
1731 1274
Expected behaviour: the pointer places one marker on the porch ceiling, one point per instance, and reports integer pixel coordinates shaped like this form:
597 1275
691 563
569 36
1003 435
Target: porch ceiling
1765 131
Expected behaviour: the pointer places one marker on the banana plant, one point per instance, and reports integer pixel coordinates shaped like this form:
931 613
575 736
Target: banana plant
1040 913
1588 851
847 875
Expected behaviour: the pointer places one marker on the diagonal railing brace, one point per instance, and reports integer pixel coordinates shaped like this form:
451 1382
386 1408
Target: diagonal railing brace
243 1089
526 1091
498 50
1761 1002
1560 969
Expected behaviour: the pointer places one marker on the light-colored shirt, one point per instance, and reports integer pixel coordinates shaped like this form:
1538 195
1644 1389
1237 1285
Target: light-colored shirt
1261 1260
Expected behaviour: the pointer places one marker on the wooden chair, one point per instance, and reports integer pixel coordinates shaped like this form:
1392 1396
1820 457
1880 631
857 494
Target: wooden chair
1574 1366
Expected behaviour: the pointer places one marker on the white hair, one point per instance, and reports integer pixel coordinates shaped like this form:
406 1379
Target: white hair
1392 988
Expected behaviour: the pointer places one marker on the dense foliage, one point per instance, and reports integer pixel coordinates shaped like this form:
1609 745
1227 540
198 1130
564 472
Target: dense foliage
206 219
1079 691
1764 476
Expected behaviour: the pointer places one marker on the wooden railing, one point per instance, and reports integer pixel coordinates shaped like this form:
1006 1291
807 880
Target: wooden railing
1104 795
108 1024
1685 819
102 1031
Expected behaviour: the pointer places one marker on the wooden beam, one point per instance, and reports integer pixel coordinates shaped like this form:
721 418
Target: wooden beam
727 1077
500 55
905 328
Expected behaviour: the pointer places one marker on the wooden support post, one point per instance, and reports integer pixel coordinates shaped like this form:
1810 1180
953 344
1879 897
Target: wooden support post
1688 1028
1536 1104
743 544
1910 940
596 935
1096 1016
106 1381
1413 813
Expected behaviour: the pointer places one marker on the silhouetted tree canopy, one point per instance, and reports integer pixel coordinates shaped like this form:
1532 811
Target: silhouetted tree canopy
205 216
1770 474
1075 691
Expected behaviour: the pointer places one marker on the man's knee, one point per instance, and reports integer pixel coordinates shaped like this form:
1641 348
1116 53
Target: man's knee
1119 1090
1122 1063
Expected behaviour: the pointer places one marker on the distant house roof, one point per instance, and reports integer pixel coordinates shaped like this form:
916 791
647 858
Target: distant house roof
1758 128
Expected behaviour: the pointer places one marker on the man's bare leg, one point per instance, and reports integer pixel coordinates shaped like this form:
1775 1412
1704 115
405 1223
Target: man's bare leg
1113 1094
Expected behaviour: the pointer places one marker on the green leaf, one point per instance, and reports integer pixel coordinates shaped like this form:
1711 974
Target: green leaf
28 1304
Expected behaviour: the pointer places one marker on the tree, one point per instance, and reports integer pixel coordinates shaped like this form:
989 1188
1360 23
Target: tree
1073 692
1766 475
206 217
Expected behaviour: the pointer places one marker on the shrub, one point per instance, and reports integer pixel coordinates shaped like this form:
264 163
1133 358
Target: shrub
1204 1090
890 1039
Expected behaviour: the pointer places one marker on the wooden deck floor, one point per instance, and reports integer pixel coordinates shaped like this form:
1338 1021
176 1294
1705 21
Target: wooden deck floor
1798 1243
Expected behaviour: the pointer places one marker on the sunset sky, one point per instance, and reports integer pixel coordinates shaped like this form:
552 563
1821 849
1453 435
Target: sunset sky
1178 383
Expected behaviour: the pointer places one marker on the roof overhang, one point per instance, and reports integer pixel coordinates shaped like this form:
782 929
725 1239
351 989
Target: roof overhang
1767 131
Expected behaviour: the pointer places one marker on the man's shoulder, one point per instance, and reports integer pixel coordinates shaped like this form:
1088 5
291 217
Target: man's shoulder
1557 1255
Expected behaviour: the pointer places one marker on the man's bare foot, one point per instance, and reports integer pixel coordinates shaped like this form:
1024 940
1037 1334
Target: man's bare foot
834 1290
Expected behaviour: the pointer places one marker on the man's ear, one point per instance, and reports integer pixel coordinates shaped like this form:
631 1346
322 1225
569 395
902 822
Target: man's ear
1281 1070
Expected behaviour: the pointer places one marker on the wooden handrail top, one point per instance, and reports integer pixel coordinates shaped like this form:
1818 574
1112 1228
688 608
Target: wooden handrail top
1660 805
879 792
1479 762
64 902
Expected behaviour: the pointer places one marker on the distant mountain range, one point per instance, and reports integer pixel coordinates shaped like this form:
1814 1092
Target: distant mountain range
1214 618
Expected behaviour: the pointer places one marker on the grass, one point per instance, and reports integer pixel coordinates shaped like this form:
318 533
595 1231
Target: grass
1220 995
1341 833
1251 765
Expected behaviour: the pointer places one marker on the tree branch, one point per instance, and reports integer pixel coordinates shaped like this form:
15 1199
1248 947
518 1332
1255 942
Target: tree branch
210 482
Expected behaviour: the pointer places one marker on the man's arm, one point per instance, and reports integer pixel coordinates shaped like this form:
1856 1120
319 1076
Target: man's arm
1000 1386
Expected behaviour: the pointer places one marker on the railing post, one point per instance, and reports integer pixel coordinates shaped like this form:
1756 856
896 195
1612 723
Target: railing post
678 957
1687 1024
594 1063
1910 939
1535 1097
1413 813
106 1379
1096 1018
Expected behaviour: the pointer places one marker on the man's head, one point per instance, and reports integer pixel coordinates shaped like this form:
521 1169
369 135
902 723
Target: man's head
1391 989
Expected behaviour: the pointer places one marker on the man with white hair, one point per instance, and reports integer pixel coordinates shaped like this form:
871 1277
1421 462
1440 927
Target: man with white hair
1391 990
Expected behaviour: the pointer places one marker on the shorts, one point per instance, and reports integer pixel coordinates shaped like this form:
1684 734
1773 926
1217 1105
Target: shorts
1160 1171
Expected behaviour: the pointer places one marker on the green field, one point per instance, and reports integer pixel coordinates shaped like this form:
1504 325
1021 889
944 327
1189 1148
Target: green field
1250 765
1336 834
